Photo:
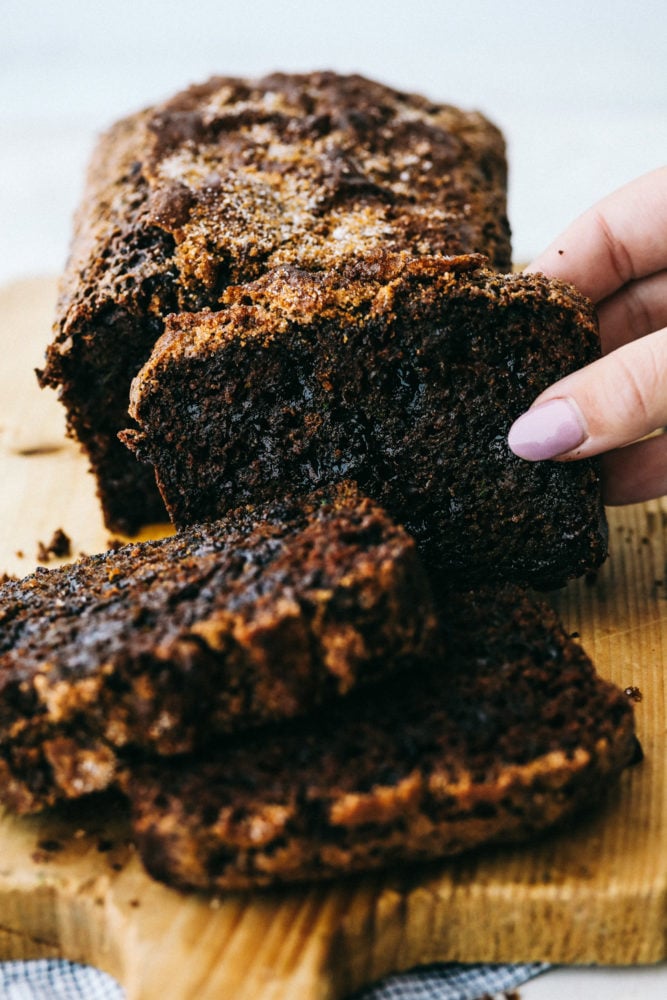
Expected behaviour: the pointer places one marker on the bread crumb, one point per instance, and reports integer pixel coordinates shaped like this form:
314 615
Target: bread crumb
59 546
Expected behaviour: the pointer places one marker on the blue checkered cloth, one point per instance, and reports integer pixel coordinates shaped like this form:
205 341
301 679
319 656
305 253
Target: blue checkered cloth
452 982
53 979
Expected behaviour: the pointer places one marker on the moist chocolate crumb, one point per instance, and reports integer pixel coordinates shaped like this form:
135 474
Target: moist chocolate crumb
50 845
60 546
637 754
39 449
402 373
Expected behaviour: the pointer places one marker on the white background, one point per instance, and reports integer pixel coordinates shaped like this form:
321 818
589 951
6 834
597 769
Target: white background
579 89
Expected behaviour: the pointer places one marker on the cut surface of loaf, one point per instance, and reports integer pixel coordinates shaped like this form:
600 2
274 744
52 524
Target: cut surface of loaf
227 180
162 646
516 735
401 373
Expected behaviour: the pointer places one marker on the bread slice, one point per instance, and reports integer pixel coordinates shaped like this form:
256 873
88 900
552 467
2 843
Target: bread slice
512 735
401 373
162 646
227 180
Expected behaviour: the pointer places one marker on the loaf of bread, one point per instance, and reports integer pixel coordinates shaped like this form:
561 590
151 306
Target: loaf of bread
516 735
161 647
285 298
401 373
228 180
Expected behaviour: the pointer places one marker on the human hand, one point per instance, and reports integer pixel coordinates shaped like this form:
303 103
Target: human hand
616 253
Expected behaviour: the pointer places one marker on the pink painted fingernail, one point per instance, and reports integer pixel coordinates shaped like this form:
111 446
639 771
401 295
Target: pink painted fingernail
547 430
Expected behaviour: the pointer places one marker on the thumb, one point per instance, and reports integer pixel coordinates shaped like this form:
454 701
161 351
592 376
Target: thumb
610 403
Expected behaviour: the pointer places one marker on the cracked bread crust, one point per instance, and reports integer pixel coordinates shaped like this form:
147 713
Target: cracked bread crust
513 737
401 373
162 646
228 180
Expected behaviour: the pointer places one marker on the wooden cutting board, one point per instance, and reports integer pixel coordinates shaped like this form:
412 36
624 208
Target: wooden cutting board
71 884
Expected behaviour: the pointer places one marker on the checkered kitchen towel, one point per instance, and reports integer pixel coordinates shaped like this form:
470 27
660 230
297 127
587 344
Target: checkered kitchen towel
452 982
50 979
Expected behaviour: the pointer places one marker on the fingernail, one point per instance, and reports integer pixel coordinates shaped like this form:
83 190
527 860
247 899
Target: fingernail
547 430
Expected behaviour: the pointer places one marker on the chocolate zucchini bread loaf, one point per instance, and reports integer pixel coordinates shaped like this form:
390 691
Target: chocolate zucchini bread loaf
517 735
161 646
401 373
228 180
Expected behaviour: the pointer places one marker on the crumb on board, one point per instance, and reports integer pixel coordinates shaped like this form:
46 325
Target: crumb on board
638 753
60 546
50 845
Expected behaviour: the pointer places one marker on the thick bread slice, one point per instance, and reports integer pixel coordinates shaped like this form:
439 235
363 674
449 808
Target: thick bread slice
516 734
162 646
402 373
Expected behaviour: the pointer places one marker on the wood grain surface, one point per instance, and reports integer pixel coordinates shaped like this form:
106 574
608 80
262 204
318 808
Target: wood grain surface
70 881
